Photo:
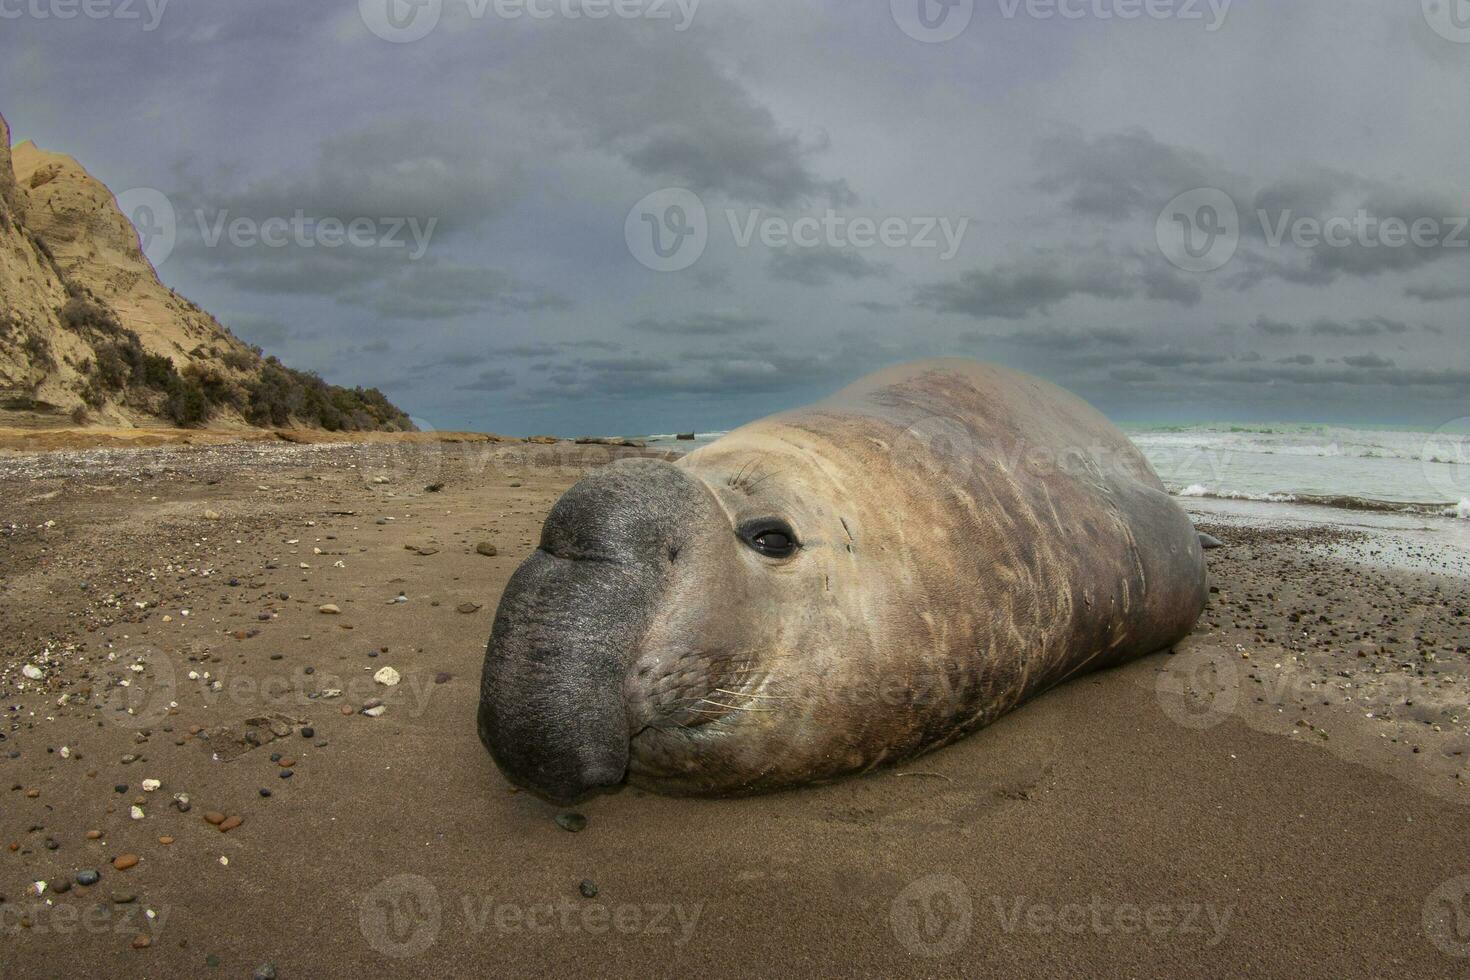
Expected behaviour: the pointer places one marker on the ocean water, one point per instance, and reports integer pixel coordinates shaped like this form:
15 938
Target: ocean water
1379 469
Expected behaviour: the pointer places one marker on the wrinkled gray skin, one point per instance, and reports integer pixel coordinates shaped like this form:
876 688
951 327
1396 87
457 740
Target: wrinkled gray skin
969 537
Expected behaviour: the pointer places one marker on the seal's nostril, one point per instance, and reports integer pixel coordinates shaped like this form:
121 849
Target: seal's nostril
673 554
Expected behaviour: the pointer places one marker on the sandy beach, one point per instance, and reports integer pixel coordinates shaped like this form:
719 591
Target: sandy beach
1287 794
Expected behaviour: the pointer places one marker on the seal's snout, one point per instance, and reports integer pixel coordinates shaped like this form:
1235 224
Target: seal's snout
552 709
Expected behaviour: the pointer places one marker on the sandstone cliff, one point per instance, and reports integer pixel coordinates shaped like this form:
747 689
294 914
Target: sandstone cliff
88 333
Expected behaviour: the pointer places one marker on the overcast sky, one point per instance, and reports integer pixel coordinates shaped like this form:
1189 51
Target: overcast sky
993 182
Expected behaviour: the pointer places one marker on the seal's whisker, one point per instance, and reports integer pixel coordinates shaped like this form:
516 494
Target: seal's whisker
731 707
763 697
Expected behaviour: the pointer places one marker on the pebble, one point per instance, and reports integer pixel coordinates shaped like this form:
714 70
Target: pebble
88 876
165 840
264 791
468 607
328 609
141 941
123 898
387 676
443 677
94 835
214 817
230 823
487 549
266 971
587 888
571 821
308 732
125 861
286 774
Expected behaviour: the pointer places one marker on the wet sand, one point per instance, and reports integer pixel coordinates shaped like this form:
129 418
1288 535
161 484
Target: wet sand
1285 795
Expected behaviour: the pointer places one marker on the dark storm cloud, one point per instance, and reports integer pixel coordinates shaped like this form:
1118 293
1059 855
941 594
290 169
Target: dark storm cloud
1438 292
820 266
390 168
700 324
494 379
668 109
1297 359
1361 327
436 290
1034 284
1122 174
1058 338
1276 328
1367 361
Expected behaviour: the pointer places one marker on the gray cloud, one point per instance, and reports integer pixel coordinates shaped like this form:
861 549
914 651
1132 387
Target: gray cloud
820 266
1034 284
700 324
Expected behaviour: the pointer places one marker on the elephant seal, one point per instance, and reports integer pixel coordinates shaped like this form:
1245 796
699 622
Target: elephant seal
831 589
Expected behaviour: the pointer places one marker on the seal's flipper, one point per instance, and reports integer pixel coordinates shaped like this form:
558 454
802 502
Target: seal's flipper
1208 541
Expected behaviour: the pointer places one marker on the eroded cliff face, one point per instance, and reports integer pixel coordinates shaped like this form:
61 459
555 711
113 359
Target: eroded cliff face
88 333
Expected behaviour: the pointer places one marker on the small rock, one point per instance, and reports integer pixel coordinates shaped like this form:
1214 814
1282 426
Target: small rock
387 676
94 835
468 607
443 677
266 971
587 888
149 785
165 840
211 515
214 817
32 671
329 609
230 823
308 732
487 549
123 898
141 941
373 712
125 861
88 876
571 821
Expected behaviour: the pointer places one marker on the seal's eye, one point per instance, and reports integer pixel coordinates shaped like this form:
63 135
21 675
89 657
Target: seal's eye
772 538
